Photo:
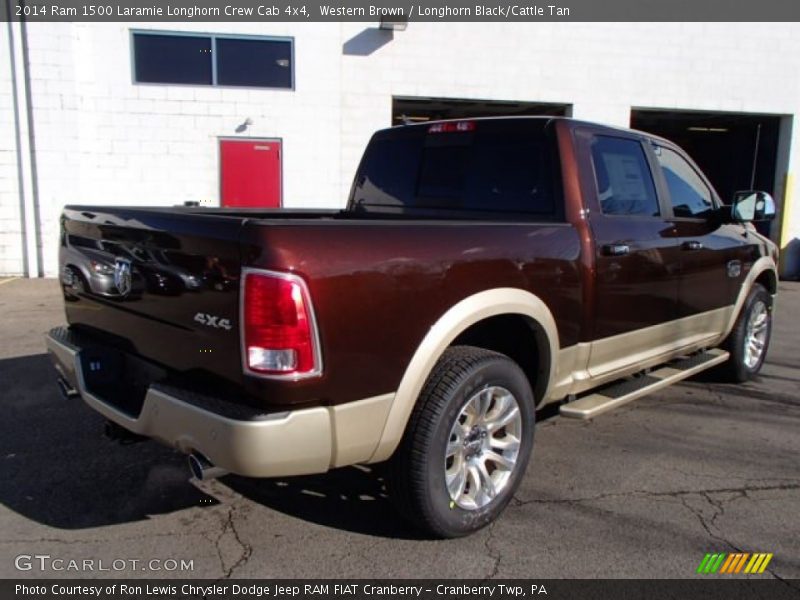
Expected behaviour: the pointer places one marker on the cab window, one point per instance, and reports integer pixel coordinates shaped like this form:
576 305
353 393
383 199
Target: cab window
689 195
624 182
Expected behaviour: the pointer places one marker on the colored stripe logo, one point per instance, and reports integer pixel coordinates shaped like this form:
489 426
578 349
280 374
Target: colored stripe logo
734 563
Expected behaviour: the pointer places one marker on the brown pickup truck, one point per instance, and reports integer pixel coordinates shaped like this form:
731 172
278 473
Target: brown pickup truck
482 269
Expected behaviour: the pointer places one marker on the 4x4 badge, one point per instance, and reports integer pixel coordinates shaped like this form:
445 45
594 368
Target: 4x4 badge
212 321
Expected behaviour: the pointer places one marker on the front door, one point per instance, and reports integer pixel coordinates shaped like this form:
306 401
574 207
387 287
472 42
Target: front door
712 260
250 173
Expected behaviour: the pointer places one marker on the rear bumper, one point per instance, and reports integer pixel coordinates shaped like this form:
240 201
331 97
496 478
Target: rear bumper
290 443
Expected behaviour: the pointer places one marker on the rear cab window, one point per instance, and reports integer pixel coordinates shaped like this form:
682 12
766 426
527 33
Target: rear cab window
469 169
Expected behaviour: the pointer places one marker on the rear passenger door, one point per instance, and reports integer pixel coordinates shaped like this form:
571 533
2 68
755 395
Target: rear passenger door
637 256
711 267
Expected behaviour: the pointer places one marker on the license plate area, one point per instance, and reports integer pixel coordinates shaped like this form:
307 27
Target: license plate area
118 379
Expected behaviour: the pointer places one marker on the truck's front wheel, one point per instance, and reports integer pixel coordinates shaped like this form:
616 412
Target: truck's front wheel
467 444
749 338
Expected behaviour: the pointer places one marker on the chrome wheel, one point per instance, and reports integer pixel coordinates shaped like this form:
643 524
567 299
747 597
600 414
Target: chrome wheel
755 339
483 448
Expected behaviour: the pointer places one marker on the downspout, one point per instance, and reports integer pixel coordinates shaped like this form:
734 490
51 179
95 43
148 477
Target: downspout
18 143
30 224
37 220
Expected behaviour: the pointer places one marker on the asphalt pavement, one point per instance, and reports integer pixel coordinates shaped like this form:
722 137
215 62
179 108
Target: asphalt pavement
642 492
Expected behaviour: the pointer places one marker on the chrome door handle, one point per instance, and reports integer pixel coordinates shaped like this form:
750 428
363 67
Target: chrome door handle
692 245
616 249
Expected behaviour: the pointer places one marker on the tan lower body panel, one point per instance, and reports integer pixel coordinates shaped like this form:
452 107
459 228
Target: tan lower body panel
586 366
296 442
614 354
616 395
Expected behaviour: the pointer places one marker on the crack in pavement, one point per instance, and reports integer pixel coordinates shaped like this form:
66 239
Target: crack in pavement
215 542
228 525
247 550
229 500
728 476
649 493
496 556
709 525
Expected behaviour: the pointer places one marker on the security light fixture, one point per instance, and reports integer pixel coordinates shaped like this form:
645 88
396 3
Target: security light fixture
394 23
242 127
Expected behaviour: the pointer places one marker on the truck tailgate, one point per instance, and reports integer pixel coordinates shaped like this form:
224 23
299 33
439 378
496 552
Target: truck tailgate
162 284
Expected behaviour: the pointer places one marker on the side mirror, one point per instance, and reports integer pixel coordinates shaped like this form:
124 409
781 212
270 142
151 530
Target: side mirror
752 206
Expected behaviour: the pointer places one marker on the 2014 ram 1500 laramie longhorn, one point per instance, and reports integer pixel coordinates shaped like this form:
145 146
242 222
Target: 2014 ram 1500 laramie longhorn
482 269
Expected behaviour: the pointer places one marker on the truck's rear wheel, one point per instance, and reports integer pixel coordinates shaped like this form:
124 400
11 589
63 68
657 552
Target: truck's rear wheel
749 338
467 443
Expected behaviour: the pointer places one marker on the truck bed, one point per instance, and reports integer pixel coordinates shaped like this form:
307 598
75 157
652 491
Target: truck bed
366 274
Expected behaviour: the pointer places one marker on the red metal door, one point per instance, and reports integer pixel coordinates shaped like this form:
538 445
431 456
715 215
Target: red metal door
250 172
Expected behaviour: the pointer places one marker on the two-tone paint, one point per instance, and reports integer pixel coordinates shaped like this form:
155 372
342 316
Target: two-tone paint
391 294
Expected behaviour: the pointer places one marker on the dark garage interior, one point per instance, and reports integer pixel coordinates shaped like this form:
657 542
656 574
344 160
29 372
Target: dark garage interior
735 151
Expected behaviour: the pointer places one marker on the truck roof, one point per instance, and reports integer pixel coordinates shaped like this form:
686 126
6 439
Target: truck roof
573 123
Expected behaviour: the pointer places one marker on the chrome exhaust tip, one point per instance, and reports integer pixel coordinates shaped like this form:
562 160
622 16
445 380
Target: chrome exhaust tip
202 469
67 391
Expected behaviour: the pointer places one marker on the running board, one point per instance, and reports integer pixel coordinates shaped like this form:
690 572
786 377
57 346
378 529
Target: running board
627 390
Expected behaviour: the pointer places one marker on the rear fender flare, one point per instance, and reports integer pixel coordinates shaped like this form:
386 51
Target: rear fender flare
471 310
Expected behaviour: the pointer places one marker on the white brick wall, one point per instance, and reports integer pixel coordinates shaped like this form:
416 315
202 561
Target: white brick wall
101 139
10 227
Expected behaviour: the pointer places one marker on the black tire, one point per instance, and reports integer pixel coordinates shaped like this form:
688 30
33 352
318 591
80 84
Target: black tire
737 369
416 472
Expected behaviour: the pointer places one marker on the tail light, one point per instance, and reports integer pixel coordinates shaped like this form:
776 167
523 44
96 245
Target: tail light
279 333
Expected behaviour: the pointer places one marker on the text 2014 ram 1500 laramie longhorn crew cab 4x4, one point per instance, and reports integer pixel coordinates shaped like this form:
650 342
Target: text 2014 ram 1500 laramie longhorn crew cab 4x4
482 269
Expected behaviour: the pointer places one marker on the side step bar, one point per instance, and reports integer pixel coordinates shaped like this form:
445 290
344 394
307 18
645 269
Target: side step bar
627 390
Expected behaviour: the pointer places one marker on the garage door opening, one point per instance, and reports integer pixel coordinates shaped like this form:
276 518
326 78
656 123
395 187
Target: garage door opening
407 110
735 151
